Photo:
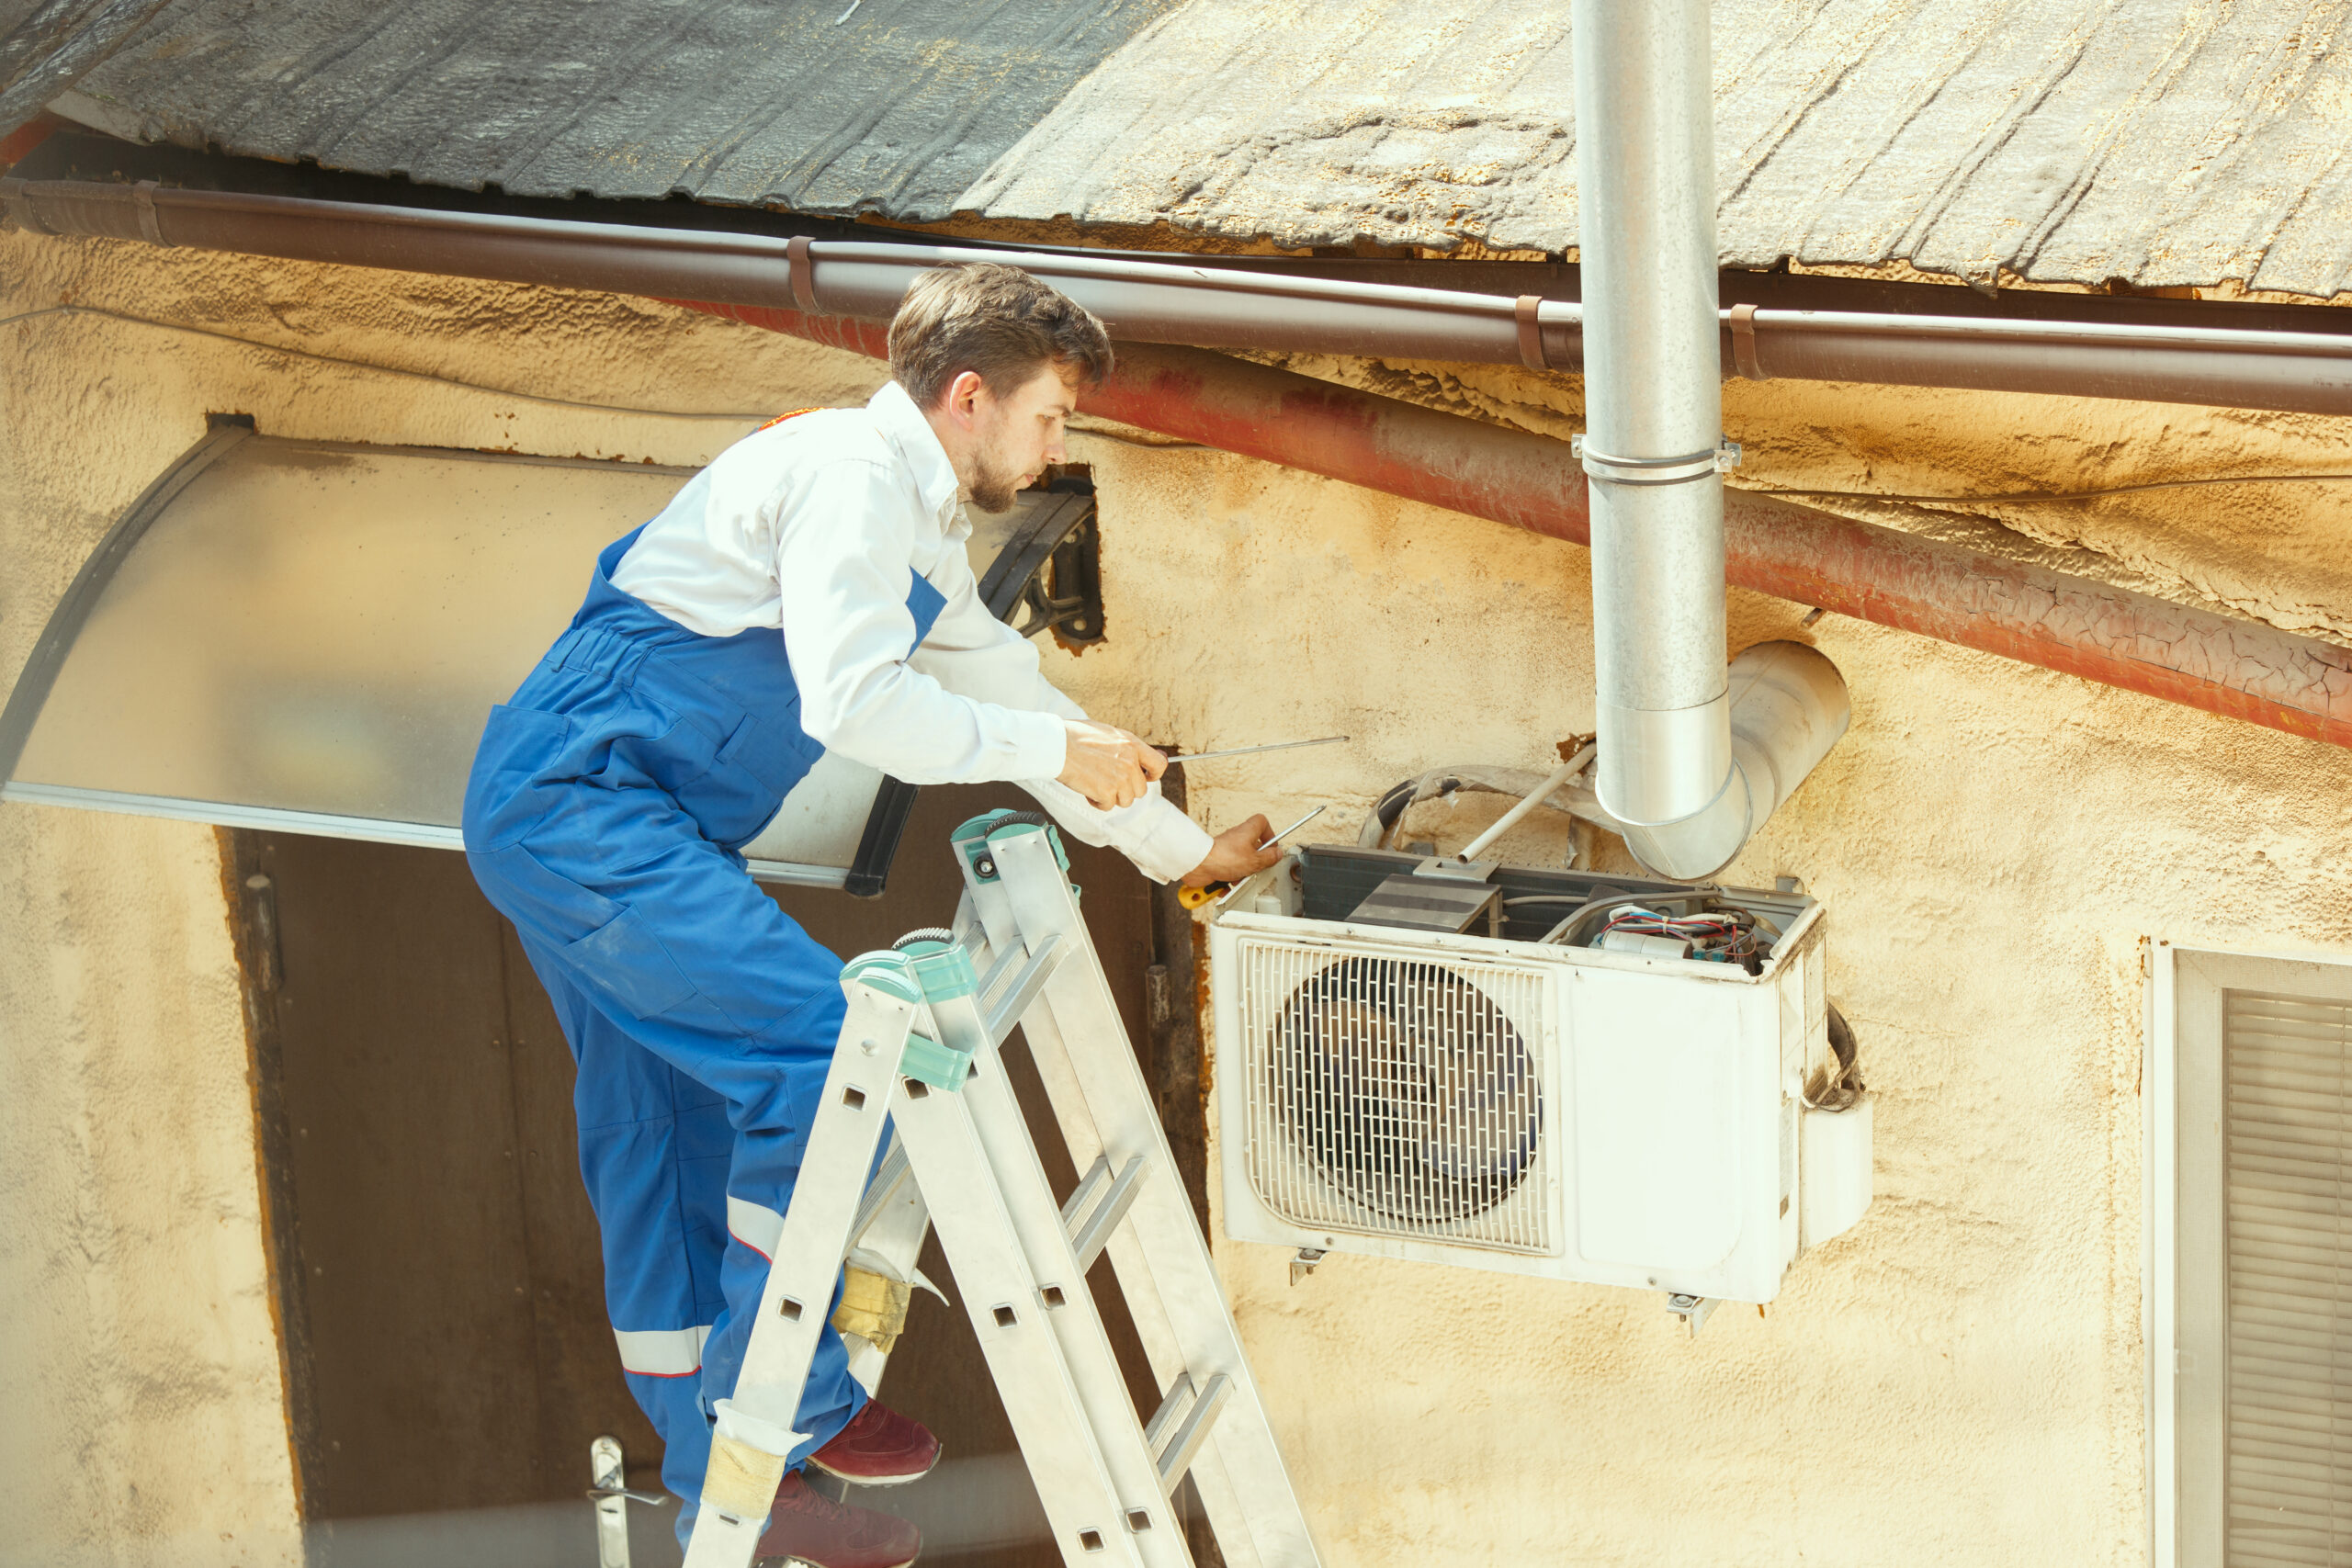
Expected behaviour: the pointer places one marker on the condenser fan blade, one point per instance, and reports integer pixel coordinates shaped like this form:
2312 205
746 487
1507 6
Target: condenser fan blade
1408 1088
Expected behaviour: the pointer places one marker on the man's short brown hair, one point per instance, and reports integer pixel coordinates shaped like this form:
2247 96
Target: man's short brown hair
995 320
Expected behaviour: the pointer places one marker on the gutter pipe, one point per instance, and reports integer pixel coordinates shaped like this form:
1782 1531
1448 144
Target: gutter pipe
1211 307
2240 670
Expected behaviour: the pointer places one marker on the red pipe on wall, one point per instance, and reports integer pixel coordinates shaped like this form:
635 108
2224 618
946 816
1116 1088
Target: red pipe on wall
2241 670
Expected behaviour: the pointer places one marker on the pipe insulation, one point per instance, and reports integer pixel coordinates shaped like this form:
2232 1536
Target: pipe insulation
1215 306
2238 668
1646 178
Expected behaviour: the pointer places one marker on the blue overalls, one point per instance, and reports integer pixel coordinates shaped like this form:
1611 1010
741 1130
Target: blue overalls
609 806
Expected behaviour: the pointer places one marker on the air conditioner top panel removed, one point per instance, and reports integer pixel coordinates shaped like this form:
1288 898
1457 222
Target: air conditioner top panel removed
1583 916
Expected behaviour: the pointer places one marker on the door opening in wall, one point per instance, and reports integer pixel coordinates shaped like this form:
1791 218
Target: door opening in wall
447 1358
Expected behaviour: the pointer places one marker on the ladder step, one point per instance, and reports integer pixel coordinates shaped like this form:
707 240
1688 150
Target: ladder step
1006 1014
1096 1210
1181 1425
881 1190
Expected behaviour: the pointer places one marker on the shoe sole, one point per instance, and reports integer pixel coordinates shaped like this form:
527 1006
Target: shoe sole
874 1480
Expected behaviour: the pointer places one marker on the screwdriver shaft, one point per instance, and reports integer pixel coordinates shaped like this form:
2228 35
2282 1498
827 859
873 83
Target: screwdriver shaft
1252 750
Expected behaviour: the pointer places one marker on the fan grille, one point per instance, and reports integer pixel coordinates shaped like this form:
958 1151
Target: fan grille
1391 1096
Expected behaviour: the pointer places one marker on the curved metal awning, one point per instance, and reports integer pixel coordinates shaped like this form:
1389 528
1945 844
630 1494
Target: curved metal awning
308 635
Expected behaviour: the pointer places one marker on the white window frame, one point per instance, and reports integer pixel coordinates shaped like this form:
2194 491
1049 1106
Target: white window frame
2185 1282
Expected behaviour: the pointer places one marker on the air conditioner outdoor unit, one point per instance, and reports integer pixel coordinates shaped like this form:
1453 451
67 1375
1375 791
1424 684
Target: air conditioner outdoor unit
1481 1098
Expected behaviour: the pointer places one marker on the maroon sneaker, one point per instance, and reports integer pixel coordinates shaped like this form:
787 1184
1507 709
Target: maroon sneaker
879 1447
810 1527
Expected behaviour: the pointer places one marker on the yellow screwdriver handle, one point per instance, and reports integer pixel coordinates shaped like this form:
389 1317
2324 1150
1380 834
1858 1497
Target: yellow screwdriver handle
1197 898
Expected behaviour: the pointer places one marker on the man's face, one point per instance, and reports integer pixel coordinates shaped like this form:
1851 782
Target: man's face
1018 435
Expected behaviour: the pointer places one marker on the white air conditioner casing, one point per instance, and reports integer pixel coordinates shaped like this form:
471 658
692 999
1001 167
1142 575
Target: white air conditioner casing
1564 1112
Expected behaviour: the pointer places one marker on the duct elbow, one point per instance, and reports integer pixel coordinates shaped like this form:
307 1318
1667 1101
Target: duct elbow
1787 708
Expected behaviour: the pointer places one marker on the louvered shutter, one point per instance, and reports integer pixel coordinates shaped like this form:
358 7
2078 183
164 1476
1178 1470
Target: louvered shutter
2287 1082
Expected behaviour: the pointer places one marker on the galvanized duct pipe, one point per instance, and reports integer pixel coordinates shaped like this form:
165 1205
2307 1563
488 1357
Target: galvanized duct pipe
1645 221
2241 670
1787 707
1206 306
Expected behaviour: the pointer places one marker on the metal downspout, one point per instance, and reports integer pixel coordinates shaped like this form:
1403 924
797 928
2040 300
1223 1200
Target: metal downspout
1645 182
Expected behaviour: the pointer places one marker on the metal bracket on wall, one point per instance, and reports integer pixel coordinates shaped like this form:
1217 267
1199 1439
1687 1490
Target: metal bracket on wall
1692 1310
1049 576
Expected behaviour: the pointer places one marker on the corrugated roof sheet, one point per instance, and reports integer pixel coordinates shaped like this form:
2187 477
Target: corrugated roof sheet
895 107
2159 142
45 44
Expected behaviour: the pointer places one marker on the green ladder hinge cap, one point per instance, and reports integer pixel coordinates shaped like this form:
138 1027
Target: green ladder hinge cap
933 969
972 840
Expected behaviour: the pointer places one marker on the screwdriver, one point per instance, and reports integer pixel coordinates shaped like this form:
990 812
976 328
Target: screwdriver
1251 750
1194 898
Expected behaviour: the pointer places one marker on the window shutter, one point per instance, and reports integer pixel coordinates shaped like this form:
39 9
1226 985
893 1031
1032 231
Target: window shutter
2288 1079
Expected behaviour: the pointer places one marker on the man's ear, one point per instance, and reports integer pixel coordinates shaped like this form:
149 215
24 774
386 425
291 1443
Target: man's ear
963 394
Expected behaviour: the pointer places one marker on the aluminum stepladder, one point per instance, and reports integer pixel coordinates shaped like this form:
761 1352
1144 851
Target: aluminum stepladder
921 1045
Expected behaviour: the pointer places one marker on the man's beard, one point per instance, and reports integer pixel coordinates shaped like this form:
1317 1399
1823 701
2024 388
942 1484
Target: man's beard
993 489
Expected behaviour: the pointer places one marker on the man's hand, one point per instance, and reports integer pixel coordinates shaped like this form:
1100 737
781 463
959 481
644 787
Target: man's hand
1106 764
1240 851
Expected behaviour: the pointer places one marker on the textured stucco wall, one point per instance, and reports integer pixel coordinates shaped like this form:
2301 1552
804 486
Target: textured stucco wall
1956 1382
138 1368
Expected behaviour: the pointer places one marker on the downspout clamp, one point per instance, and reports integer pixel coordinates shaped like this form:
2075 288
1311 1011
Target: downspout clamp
1653 453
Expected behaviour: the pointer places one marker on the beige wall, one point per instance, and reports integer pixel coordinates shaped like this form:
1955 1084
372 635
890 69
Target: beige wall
1956 1382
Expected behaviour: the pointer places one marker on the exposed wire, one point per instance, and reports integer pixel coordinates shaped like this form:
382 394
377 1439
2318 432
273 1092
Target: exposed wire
1835 1085
370 366
2057 494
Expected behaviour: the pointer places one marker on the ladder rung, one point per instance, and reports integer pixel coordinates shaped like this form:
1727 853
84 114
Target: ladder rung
997 971
879 1191
1025 989
1181 1425
1090 1221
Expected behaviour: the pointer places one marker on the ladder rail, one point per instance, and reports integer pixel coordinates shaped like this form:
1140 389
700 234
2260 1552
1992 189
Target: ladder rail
1162 1258
1026 1359
755 1433
1058 1274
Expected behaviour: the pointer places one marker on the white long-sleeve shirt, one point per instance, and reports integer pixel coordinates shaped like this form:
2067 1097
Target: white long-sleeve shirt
811 526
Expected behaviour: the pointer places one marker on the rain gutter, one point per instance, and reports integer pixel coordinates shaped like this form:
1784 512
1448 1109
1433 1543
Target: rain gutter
1216 307
2238 668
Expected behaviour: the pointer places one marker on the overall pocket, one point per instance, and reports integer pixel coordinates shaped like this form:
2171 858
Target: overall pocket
508 791
603 945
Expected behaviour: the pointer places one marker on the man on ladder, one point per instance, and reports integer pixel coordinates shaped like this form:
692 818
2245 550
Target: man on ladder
809 590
